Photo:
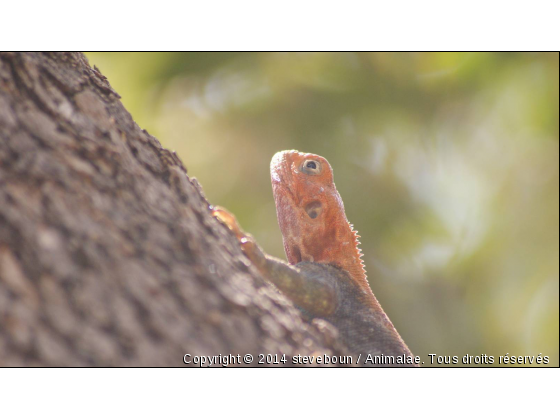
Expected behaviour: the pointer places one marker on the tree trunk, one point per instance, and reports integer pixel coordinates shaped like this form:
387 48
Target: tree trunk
108 252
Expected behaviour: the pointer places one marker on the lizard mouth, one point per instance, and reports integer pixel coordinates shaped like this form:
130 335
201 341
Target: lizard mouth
281 178
280 168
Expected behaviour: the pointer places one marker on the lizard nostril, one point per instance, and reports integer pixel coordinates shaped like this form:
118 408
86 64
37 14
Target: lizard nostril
314 209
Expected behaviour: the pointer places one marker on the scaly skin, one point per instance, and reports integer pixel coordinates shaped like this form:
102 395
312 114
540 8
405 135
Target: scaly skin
325 276
311 214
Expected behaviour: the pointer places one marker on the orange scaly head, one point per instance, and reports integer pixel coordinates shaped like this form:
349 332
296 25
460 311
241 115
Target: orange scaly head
311 214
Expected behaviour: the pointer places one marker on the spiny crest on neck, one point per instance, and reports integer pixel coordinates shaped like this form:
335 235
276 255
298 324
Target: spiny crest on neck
357 267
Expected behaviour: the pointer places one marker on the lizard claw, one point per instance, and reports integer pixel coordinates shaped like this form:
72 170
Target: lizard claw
246 241
229 220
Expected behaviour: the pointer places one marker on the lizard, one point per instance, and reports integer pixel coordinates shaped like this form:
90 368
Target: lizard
325 275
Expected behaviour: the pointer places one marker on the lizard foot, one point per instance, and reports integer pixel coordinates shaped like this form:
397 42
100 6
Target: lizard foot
229 220
246 241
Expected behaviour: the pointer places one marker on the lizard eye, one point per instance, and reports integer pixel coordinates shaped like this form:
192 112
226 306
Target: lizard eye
311 167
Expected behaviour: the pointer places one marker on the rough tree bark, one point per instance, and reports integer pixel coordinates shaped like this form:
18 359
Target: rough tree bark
108 252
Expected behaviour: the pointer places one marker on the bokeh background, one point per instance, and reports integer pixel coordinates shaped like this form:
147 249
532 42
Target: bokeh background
448 165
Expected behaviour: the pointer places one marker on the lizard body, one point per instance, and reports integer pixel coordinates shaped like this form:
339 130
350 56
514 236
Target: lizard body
325 275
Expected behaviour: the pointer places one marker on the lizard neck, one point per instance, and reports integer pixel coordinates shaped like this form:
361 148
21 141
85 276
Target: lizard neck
328 239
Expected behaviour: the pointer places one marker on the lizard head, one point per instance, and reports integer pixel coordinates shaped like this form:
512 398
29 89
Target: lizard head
310 211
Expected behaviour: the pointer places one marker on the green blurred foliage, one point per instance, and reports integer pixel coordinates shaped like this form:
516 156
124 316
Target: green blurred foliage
447 164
